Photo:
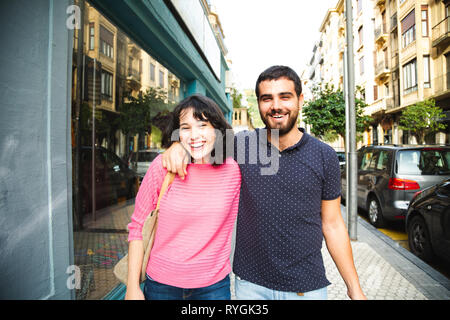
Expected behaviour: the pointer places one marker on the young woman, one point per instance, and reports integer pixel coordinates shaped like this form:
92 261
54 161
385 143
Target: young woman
190 255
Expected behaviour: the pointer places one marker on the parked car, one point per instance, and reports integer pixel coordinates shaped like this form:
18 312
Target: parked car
389 175
140 161
341 157
113 179
428 222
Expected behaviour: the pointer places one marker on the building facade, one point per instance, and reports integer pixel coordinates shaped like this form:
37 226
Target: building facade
401 58
70 72
328 54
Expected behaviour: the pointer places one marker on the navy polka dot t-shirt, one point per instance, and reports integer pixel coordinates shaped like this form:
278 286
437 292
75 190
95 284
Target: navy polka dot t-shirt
279 227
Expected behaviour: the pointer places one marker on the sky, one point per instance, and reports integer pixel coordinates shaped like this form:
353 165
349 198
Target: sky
262 33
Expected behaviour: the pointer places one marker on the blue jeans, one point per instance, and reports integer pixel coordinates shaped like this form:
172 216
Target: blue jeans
246 290
158 291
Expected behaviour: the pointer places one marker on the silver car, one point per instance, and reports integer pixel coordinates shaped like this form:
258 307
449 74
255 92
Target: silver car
390 175
140 161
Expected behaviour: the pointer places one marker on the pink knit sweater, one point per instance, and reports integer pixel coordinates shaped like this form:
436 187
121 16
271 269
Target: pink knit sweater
196 218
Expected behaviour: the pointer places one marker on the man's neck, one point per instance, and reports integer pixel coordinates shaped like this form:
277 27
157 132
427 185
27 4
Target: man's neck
287 140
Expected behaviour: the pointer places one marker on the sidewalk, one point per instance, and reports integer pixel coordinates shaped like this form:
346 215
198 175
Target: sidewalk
386 270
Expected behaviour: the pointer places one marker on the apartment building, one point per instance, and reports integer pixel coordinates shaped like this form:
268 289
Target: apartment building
410 63
327 62
402 57
440 60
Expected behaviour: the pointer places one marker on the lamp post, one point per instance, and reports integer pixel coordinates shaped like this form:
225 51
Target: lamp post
351 157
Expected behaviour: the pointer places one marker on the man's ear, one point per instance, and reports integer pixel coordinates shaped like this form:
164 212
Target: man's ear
300 101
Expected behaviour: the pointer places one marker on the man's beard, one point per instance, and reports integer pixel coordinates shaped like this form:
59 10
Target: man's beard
291 122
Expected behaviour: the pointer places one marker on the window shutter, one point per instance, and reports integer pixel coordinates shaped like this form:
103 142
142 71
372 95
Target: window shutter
409 21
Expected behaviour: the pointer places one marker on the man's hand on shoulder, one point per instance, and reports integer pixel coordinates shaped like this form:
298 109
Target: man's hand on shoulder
175 159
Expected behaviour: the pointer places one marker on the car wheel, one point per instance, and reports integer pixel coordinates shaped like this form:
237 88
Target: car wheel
419 239
375 214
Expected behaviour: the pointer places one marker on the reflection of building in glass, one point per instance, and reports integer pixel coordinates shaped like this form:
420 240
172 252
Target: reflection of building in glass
66 204
123 69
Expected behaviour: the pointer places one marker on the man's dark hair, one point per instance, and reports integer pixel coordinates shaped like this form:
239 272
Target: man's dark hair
278 72
204 109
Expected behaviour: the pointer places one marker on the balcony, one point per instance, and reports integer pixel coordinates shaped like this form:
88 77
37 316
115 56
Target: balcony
441 33
441 85
134 79
380 3
381 35
382 72
389 101
380 106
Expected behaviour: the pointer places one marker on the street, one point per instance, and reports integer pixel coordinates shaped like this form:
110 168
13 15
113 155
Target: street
396 231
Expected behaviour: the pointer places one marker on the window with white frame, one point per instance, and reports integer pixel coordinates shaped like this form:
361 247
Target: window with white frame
410 77
107 85
424 18
91 36
361 65
152 72
408 29
161 79
426 72
359 5
106 42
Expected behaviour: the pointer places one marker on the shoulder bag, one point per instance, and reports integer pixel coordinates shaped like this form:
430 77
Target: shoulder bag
148 237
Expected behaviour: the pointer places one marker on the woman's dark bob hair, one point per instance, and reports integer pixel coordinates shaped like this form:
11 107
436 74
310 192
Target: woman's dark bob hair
204 109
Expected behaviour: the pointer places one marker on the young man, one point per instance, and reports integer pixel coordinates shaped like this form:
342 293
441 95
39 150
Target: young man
286 213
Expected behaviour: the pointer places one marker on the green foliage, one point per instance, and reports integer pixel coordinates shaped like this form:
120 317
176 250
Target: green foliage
421 119
137 114
326 113
253 109
236 98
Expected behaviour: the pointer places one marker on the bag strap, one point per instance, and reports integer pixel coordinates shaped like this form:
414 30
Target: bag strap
167 181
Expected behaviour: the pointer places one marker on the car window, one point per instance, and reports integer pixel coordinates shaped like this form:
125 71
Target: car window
341 156
382 161
367 156
373 161
445 188
423 162
144 156
112 161
147 156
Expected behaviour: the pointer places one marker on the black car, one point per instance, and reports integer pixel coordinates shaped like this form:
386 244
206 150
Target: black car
428 222
113 179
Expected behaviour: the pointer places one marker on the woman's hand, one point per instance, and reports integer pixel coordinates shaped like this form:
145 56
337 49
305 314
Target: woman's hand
134 293
175 159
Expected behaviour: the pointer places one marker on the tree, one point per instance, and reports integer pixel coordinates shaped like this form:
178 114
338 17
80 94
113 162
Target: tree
236 98
253 109
137 115
326 113
421 119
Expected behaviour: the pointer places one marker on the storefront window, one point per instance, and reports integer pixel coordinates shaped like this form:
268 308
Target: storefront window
113 81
